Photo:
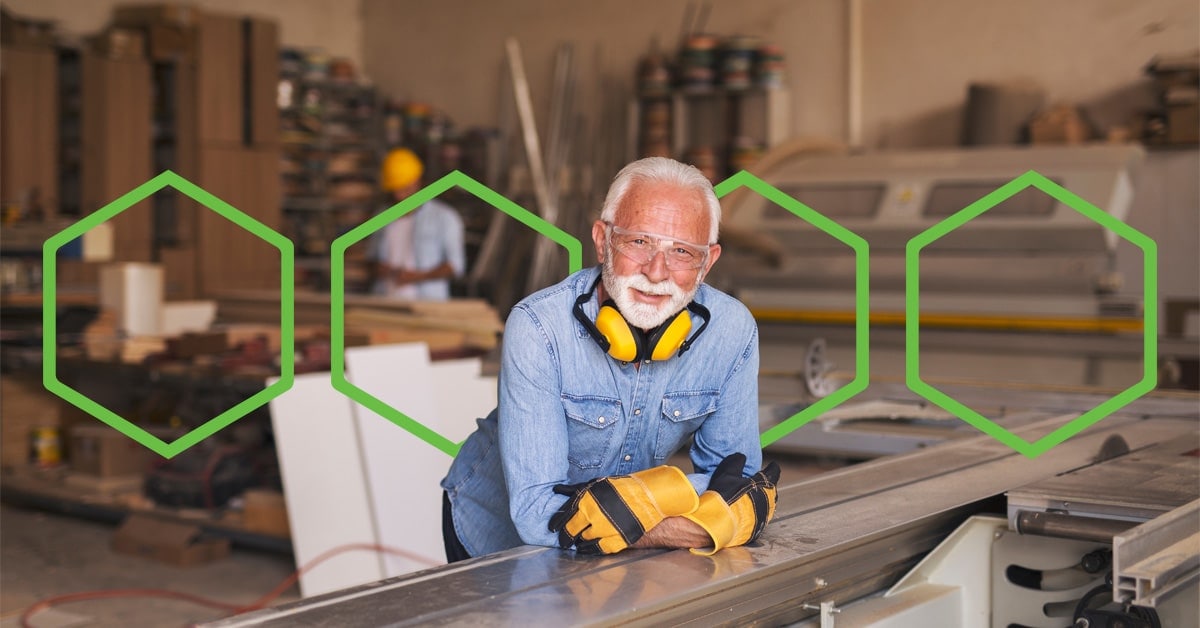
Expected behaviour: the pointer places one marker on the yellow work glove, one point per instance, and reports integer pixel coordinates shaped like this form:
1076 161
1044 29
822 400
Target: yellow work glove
735 509
607 515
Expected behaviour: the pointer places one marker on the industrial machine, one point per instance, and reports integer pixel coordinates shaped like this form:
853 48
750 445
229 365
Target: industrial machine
1031 314
996 286
965 533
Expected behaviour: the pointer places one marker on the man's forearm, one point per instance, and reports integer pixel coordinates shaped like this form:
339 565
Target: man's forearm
675 533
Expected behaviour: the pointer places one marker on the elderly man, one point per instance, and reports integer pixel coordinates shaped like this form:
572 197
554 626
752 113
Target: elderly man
607 374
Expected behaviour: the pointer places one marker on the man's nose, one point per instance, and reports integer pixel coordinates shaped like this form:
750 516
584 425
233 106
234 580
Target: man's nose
656 269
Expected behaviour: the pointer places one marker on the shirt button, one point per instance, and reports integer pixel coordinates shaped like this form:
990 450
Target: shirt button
638 411
676 413
601 419
627 457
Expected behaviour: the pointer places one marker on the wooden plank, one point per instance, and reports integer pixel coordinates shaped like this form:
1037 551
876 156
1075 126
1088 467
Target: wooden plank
327 500
116 146
264 81
249 181
29 133
219 48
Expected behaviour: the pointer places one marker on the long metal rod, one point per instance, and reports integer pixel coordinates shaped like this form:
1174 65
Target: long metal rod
1071 526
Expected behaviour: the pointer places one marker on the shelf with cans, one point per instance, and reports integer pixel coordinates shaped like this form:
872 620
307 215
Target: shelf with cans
718 105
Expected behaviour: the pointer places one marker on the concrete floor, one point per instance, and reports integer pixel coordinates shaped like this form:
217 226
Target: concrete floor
43 555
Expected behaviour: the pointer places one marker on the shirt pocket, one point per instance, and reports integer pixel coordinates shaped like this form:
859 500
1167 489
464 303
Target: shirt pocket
682 414
592 435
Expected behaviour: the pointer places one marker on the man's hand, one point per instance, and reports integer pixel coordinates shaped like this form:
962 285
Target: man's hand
607 515
735 509
404 276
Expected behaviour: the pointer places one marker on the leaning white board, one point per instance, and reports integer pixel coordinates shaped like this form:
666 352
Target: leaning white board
463 395
320 463
402 470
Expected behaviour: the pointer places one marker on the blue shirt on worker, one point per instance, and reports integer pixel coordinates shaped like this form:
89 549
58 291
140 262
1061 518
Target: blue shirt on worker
568 413
420 240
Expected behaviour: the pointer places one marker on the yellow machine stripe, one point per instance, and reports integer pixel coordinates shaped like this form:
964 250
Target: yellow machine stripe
958 321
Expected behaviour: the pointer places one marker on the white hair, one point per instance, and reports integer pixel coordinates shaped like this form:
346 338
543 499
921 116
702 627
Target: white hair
668 171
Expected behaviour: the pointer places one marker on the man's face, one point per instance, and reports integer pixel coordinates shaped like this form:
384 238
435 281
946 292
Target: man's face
648 293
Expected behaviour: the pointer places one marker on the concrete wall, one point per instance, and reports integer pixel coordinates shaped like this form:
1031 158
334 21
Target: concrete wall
334 25
918 56
921 54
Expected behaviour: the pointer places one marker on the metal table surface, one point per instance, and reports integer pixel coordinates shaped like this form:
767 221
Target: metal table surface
838 536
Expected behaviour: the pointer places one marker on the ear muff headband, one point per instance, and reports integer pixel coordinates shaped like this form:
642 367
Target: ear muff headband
617 338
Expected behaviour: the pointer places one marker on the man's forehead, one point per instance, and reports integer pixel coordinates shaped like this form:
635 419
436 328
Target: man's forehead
657 201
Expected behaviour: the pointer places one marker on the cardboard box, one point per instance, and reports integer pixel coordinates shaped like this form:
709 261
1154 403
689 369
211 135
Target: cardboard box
1061 124
119 43
102 451
175 543
24 406
23 31
265 511
178 13
170 42
1183 124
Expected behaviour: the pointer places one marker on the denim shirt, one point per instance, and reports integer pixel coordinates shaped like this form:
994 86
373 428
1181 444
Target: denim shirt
568 413
437 237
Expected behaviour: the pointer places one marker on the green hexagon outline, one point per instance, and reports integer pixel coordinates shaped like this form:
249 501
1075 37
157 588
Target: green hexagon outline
912 323
50 324
862 308
337 314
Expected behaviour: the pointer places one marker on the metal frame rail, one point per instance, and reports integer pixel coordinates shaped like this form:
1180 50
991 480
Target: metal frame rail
836 537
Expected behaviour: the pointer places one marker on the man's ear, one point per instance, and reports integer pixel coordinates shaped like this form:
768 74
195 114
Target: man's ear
713 253
598 229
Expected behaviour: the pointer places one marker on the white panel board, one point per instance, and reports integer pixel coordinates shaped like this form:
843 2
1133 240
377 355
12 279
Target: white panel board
402 470
323 483
463 395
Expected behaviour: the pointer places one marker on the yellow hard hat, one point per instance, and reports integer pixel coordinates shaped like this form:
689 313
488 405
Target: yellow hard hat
401 168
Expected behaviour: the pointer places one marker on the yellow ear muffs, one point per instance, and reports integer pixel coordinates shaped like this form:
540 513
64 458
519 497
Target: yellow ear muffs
623 343
665 341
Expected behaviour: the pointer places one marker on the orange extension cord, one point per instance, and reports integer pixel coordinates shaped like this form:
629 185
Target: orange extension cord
233 609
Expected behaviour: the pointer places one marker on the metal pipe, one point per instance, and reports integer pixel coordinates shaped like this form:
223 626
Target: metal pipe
1070 526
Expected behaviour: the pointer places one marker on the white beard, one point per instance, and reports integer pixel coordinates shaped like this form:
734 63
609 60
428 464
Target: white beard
636 313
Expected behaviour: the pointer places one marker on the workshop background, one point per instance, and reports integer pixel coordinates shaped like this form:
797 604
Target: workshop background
168 314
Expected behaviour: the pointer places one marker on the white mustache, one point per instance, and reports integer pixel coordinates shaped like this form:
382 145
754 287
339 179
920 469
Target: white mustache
662 288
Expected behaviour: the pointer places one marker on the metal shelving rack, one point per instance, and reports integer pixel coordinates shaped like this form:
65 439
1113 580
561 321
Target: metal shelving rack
331 153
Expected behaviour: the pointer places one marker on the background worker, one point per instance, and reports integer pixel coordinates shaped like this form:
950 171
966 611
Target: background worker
604 376
417 255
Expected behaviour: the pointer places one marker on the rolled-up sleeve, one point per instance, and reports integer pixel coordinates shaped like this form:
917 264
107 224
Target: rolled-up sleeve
532 430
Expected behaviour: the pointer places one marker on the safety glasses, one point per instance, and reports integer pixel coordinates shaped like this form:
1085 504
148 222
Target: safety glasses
642 247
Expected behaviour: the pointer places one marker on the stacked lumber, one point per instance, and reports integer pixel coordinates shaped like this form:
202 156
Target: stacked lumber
443 325
104 342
